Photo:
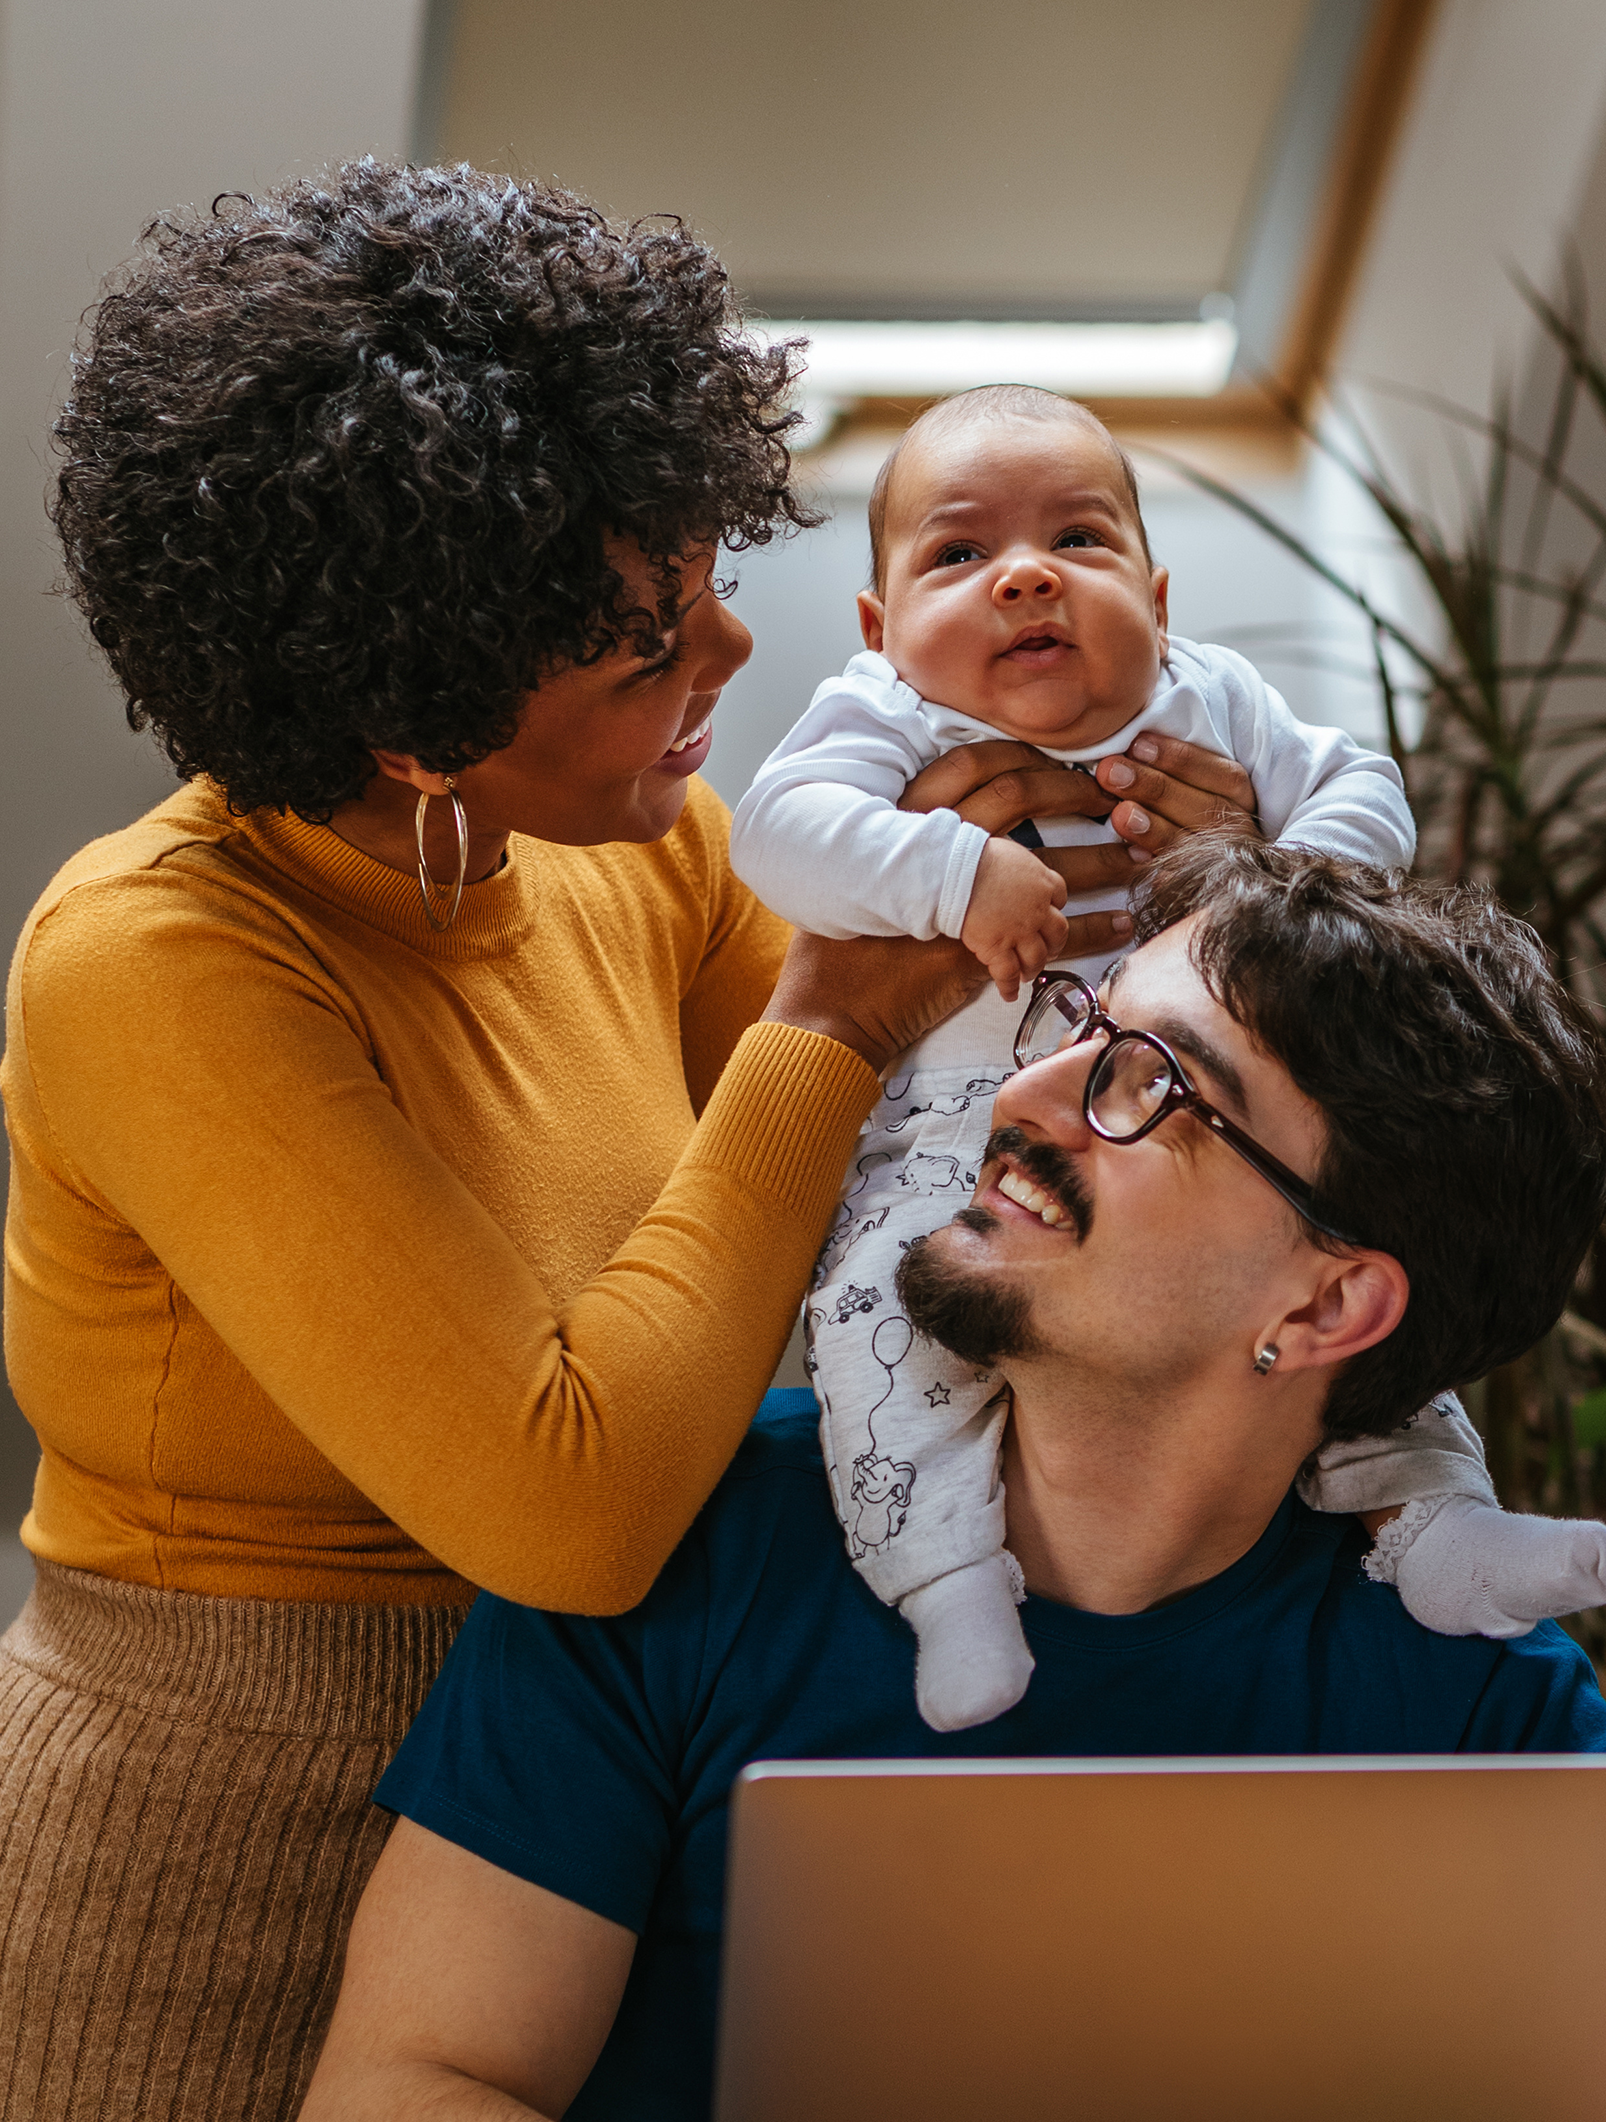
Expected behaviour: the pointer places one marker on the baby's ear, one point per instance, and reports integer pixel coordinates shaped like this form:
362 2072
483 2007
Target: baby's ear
1160 583
872 620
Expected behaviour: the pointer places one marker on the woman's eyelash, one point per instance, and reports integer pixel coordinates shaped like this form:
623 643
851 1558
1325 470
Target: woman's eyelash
666 663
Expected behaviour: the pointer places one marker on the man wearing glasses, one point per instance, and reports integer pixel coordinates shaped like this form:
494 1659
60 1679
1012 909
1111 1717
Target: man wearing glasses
1321 1149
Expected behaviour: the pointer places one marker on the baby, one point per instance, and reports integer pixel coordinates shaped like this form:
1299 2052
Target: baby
1015 596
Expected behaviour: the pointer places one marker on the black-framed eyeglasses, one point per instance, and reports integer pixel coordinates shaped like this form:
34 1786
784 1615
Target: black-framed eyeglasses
1138 1080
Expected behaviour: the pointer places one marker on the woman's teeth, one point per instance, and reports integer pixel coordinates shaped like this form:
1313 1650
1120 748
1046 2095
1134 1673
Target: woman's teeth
696 737
1031 1197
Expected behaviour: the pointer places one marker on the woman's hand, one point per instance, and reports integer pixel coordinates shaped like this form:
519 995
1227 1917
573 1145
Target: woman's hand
1160 791
876 994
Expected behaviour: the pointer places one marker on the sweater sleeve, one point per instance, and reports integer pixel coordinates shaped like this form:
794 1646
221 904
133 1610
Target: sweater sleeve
542 1452
1313 786
820 838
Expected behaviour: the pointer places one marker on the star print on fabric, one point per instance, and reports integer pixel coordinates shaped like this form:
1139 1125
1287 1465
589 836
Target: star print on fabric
938 1396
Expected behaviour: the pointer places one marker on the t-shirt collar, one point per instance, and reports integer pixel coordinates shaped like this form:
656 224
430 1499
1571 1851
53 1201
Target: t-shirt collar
1131 1631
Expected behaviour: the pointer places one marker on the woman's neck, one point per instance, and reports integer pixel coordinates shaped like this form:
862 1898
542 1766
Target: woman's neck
382 823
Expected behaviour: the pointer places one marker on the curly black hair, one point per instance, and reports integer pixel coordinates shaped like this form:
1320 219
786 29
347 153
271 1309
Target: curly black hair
340 465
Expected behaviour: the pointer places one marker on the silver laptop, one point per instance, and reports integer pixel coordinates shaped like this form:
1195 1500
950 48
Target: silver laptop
1336 1940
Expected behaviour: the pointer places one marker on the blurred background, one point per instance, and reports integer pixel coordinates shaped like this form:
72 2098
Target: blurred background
1189 213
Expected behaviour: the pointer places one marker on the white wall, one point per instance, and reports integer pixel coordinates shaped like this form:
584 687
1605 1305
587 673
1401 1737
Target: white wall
111 110
1489 173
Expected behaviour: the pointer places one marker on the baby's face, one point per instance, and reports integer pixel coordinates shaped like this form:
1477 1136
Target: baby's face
1016 588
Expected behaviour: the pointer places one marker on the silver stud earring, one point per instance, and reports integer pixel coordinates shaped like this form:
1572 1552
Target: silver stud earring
1267 1357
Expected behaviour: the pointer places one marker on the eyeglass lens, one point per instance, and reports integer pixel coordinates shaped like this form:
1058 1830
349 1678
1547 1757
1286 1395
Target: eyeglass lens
1131 1079
1131 1082
1056 1019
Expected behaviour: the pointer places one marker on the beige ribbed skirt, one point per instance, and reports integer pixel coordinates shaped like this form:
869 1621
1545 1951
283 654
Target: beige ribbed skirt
184 1832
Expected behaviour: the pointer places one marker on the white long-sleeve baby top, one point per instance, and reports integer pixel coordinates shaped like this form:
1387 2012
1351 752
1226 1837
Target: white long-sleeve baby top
821 840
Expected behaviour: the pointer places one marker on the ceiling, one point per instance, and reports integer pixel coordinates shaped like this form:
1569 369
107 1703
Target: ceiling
902 158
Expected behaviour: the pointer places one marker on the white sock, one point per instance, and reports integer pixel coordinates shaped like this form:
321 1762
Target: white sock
972 1662
1466 1568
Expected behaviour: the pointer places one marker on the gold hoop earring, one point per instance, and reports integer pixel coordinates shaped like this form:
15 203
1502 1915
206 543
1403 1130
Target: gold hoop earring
1267 1357
433 893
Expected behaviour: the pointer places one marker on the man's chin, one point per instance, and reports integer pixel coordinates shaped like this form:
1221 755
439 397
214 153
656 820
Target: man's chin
977 1317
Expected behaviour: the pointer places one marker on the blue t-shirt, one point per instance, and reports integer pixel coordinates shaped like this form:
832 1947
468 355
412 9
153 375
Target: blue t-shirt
595 1758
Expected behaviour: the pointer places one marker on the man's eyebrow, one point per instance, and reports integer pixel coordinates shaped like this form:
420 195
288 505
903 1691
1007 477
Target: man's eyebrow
1175 1032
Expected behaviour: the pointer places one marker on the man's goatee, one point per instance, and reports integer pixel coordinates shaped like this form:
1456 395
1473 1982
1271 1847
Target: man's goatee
981 1321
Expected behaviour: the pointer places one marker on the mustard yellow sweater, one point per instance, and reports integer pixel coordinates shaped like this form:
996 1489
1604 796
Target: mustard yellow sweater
346 1261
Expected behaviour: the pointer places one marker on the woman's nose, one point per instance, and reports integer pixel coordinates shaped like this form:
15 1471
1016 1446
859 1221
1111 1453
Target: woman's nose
723 646
1046 1098
1025 577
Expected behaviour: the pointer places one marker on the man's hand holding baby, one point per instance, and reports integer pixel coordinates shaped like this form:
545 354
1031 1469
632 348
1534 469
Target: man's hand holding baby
1013 923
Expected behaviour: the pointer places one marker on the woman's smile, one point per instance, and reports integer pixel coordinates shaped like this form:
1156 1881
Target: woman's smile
687 754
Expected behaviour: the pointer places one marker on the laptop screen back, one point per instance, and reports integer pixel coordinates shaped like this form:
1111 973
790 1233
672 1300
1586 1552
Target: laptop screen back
1270 1941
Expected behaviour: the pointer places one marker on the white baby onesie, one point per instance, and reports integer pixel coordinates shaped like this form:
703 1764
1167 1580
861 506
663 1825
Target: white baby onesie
911 1435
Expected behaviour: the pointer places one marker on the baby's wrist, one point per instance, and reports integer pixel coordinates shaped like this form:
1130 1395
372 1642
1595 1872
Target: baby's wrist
958 886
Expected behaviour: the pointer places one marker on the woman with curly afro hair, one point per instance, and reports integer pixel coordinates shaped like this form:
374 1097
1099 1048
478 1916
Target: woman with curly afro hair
420 1147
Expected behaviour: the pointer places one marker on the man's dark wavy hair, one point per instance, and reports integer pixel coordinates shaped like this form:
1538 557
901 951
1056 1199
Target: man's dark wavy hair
1461 1084
340 462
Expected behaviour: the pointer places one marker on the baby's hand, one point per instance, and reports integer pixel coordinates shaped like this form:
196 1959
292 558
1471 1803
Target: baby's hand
1013 923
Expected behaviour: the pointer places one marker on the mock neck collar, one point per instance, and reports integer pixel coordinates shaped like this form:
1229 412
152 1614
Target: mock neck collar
495 915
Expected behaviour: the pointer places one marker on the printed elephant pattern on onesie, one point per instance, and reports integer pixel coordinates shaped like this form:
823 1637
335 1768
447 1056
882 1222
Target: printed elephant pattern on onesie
882 1487
894 1407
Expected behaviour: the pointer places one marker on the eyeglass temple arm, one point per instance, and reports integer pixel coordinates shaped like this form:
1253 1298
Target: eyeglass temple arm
1288 1183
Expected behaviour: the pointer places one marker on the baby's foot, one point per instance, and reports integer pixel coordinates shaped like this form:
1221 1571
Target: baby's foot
972 1662
1473 1570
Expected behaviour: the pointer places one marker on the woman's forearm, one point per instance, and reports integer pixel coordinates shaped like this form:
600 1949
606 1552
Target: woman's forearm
639 1391
411 2092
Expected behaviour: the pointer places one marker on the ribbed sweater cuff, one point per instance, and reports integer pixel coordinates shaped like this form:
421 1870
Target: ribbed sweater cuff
784 1115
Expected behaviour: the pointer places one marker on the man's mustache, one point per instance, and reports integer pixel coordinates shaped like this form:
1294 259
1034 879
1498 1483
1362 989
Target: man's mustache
1048 1167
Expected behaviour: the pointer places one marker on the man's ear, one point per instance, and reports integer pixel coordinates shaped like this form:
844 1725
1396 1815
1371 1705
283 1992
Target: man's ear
872 620
1359 1300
